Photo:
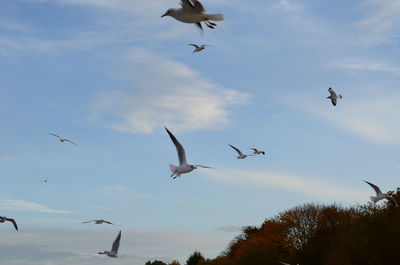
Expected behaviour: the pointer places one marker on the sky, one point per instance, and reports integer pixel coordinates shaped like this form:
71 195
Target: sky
110 74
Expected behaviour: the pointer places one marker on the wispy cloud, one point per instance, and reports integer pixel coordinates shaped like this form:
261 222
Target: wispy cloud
363 65
312 187
28 206
164 92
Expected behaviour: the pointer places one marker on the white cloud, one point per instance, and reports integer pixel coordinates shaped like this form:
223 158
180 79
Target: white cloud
21 205
362 65
312 187
164 92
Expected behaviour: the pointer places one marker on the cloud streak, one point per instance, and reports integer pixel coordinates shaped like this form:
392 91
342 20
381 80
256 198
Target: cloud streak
164 92
312 187
28 206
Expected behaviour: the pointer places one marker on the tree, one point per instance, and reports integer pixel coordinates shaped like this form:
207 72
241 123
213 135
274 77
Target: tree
156 262
195 258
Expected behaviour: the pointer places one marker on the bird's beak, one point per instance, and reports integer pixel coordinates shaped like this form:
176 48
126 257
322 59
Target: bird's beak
164 15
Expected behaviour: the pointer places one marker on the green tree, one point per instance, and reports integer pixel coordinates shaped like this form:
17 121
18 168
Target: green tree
195 258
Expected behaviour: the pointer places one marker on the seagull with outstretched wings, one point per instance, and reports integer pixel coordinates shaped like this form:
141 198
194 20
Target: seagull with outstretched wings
62 139
4 219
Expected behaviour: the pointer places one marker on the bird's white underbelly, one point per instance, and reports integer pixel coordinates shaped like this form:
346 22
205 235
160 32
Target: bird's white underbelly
184 169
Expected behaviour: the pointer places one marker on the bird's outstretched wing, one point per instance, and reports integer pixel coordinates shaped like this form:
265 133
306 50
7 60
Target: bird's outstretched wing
89 221
254 149
115 245
198 7
198 24
376 188
202 166
333 93
187 5
55 135
237 150
70 141
334 101
194 45
107 222
13 222
179 148
393 200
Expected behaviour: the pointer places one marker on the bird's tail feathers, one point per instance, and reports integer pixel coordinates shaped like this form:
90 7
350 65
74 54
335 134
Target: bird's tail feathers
172 168
215 17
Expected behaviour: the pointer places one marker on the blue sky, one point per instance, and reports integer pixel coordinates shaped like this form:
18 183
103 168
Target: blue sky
110 74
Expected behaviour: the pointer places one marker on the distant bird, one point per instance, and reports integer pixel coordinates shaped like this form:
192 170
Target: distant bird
257 152
380 195
62 139
333 96
99 221
44 181
3 219
198 48
114 249
241 155
192 11
183 167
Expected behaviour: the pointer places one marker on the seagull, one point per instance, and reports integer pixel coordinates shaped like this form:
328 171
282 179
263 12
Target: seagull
183 167
114 249
241 155
3 219
333 96
192 11
257 152
198 48
99 221
62 139
44 181
379 195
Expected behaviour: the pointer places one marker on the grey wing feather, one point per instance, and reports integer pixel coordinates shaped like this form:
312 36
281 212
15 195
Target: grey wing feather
13 222
115 245
237 150
55 135
334 101
179 148
187 5
70 141
198 6
376 188
333 93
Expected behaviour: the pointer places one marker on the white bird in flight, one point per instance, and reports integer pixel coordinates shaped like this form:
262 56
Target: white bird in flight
198 48
98 221
3 219
333 96
183 167
192 11
62 139
240 154
257 152
380 195
114 249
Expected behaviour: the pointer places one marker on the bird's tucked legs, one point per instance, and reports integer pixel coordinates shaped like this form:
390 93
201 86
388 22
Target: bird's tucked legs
210 24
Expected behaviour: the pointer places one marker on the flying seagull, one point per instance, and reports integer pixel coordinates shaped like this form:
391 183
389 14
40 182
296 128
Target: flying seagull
62 139
114 249
198 48
44 181
183 167
257 152
3 219
380 195
99 221
241 155
192 11
333 96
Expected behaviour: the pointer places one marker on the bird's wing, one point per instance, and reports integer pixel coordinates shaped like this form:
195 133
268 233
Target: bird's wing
198 7
334 101
187 5
194 45
179 148
13 222
88 221
254 149
202 166
107 222
198 24
70 141
237 150
376 188
390 198
333 93
55 135
115 245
